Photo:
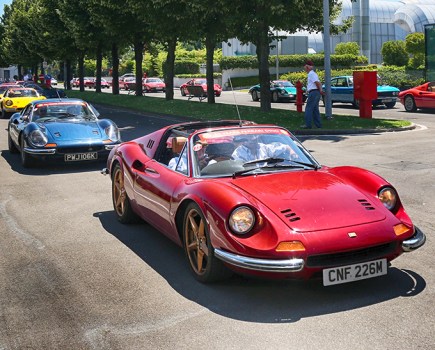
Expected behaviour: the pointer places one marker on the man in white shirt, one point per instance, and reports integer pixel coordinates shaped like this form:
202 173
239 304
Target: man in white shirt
314 91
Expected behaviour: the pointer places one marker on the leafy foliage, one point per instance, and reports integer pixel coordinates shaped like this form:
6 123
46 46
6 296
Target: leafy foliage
394 53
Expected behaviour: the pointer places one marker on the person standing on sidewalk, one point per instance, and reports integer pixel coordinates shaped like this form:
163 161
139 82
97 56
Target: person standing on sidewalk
314 91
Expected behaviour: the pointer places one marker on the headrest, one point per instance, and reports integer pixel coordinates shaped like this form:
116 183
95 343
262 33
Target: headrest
178 144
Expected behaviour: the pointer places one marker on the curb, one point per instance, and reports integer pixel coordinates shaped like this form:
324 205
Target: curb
350 131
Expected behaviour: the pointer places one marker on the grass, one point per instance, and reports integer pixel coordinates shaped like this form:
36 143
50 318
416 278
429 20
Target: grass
291 120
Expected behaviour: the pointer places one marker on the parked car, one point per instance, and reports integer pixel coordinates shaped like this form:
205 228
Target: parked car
75 82
15 99
64 131
44 90
280 90
127 83
342 91
422 96
92 83
251 199
199 82
153 85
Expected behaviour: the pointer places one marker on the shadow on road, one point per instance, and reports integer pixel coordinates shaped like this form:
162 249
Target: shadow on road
254 300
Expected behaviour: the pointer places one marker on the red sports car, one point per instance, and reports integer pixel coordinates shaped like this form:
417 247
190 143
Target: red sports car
422 96
199 82
248 198
153 85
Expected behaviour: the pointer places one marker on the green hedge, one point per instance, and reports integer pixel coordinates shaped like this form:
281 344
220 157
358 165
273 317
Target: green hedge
247 62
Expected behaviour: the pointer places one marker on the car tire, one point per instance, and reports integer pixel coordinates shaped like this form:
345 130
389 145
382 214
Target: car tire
4 114
121 202
27 161
356 103
197 245
255 95
11 145
182 92
390 104
275 97
409 104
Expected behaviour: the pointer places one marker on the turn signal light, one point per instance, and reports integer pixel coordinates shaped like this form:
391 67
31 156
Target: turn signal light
49 145
292 246
400 229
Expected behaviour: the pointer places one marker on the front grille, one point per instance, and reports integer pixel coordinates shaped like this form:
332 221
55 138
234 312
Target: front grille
83 149
387 94
351 257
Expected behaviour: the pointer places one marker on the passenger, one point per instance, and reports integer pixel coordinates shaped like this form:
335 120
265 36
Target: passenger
251 149
178 162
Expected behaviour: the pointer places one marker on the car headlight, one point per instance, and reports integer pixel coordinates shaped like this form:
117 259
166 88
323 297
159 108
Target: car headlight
242 220
112 132
37 138
388 197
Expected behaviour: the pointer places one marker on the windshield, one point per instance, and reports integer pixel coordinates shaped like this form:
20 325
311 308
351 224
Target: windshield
283 83
244 151
56 111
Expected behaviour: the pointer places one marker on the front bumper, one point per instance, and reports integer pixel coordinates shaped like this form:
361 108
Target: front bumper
414 242
254 264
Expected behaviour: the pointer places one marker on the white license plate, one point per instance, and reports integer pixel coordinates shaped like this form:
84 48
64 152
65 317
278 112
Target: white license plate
356 272
74 157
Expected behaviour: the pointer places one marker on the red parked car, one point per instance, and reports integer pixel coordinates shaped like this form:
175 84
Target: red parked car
247 198
153 85
422 96
93 83
199 82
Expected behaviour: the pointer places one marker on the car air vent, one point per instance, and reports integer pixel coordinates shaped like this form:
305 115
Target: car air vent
290 215
150 144
366 204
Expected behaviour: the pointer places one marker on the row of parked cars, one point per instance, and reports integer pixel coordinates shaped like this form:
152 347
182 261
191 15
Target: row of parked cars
342 91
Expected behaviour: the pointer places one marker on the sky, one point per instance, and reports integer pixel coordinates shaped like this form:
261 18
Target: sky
2 4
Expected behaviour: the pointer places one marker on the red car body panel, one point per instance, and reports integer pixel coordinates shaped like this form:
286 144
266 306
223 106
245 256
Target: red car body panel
423 95
319 208
200 82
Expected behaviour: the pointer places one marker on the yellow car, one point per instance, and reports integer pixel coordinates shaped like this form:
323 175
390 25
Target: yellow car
15 99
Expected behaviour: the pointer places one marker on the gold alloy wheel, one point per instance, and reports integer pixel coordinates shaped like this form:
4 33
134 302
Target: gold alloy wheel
195 238
118 192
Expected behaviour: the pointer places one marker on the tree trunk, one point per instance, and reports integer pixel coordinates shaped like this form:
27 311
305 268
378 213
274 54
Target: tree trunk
138 58
210 44
169 69
82 71
99 68
264 74
115 69
68 74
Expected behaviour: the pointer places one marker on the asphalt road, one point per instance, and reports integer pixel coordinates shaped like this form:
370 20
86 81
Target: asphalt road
72 277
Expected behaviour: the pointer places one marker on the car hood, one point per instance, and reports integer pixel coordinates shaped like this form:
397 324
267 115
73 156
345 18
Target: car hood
383 88
68 131
313 200
290 90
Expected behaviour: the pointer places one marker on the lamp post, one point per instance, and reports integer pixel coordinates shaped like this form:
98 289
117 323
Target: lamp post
327 48
277 57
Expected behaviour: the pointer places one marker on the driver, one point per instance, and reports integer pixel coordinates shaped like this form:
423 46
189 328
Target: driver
249 148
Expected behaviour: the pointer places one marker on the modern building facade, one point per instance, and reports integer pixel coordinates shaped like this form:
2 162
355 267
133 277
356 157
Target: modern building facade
375 22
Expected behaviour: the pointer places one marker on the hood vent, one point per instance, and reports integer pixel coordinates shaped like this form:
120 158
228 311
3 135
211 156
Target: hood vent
150 144
95 132
290 215
365 203
57 134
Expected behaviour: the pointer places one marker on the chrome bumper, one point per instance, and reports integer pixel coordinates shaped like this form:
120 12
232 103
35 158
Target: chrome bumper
104 171
288 265
415 242
39 150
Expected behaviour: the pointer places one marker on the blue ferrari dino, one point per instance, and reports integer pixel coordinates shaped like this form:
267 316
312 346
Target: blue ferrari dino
61 130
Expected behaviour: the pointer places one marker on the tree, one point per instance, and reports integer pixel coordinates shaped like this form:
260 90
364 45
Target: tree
351 48
394 53
257 22
415 46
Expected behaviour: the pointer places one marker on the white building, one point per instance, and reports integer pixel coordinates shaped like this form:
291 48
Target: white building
7 74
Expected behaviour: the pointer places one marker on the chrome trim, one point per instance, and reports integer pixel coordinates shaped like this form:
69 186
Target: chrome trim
109 147
39 150
415 242
288 265
104 171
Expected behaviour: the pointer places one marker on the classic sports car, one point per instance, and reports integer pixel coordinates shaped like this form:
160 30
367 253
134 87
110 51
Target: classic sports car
44 90
422 96
15 99
62 131
342 91
251 199
92 83
281 90
153 85
199 82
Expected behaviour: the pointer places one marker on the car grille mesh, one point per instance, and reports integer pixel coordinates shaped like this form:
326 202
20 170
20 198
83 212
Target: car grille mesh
82 149
351 257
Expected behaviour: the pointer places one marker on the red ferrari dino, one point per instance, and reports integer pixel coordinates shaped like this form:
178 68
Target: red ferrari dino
248 198
422 96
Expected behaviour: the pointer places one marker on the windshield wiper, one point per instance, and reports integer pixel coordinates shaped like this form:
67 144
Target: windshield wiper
270 160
